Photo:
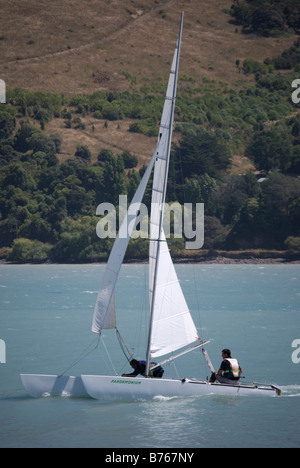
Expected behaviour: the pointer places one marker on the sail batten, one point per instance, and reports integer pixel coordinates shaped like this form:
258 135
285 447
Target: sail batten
175 315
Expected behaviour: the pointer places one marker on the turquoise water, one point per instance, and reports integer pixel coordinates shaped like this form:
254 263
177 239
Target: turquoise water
45 321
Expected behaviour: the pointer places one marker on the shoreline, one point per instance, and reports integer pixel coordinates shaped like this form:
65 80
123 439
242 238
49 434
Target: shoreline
246 261
250 257
204 257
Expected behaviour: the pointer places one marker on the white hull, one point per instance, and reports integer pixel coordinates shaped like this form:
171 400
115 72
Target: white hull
112 388
125 388
38 385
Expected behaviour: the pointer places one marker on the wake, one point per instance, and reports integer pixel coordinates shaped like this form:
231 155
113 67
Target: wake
290 391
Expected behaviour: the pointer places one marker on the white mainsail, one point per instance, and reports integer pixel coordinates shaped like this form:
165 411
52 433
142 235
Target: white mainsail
172 326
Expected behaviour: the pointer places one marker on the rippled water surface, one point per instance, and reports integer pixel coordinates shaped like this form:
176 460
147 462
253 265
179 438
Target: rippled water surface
45 321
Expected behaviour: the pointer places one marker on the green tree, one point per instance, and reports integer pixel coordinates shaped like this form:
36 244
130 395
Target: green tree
228 199
105 155
134 181
38 141
112 111
21 139
114 179
130 160
193 192
36 228
7 125
78 240
208 186
78 200
26 250
272 150
57 140
268 17
121 182
82 151
247 232
15 174
292 245
278 209
201 154
215 233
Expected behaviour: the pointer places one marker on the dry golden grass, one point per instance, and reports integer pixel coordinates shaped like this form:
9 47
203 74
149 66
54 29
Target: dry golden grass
58 46
115 137
55 46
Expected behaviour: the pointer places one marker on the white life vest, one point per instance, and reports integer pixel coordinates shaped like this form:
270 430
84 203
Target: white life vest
235 367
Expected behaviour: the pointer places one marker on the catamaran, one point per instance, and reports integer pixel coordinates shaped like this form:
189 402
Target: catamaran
172 330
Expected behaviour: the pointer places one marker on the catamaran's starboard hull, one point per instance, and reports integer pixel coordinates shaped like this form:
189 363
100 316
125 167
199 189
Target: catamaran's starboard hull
39 385
124 388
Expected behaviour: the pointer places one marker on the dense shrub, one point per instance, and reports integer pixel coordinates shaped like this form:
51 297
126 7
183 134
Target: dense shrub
292 245
29 251
82 151
268 17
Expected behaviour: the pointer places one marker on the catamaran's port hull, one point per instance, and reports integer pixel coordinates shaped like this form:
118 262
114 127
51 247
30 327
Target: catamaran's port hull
124 388
111 388
40 385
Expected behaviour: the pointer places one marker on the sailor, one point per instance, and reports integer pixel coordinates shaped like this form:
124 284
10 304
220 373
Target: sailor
230 370
140 368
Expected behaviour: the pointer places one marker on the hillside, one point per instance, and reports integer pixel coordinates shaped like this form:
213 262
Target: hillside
85 91
86 46
61 46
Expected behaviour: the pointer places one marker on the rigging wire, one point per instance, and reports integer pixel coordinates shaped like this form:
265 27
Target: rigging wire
141 320
175 367
199 315
124 348
108 355
86 352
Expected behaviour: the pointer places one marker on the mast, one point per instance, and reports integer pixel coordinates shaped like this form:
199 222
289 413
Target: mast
163 128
